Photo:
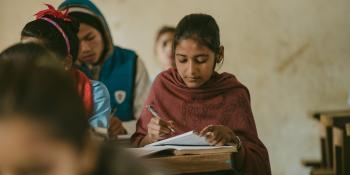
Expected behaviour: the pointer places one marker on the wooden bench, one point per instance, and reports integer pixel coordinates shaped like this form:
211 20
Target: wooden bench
324 145
334 144
338 120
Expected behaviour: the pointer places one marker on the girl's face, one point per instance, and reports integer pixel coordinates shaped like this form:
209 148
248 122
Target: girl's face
194 62
164 50
26 149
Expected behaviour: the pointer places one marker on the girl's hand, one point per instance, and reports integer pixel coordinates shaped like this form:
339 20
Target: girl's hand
158 129
115 128
218 135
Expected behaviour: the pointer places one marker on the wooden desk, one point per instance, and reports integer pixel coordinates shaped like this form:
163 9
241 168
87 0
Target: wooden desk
195 163
332 126
317 114
325 131
327 122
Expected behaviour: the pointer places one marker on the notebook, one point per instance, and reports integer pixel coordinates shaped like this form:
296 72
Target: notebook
180 150
186 139
184 144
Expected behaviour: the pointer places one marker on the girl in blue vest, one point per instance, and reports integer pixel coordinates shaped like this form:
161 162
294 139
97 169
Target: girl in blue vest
121 70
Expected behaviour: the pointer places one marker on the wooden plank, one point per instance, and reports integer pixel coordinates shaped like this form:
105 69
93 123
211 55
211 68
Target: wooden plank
326 120
339 118
338 148
311 163
323 143
337 137
322 171
348 129
346 151
195 163
317 114
329 147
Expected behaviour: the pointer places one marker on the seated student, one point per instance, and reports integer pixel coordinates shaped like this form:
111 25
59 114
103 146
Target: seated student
58 33
41 128
193 96
164 47
120 69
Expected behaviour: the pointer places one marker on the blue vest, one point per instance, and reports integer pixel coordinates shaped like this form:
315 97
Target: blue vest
118 74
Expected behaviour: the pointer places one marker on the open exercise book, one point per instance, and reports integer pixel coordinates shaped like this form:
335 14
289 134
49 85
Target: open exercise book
187 143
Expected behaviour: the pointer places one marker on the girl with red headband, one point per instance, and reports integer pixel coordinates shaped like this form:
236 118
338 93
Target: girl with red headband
56 31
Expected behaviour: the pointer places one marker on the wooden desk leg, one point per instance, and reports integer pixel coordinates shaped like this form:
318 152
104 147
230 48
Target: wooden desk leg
346 153
323 140
337 150
329 147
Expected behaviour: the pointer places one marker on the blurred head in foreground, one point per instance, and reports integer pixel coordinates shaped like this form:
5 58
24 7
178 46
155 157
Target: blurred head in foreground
41 114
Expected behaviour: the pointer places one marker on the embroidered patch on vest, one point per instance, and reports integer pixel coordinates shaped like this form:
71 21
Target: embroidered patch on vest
120 96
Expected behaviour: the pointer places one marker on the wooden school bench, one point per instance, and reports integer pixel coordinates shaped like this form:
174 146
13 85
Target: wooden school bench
334 145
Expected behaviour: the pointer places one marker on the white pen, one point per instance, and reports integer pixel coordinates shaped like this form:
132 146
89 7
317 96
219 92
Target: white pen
151 110
155 114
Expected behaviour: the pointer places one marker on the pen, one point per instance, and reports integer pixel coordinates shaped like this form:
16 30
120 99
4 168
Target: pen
111 115
154 113
113 111
151 110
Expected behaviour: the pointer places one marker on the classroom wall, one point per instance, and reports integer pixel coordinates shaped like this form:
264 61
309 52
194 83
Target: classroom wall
293 55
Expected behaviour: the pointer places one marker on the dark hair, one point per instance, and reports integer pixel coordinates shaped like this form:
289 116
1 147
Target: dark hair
164 29
96 24
41 93
31 53
52 37
200 27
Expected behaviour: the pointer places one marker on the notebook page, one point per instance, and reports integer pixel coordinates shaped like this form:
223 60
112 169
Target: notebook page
186 139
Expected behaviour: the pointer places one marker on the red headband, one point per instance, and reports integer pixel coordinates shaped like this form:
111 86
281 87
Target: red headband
53 12
56 14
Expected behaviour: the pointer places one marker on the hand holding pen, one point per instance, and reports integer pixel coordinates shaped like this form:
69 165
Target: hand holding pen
158 128
115 126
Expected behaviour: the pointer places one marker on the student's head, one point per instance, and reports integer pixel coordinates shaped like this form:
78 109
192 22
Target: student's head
42 128
56 31
197 48
164 47
22 54
93 42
